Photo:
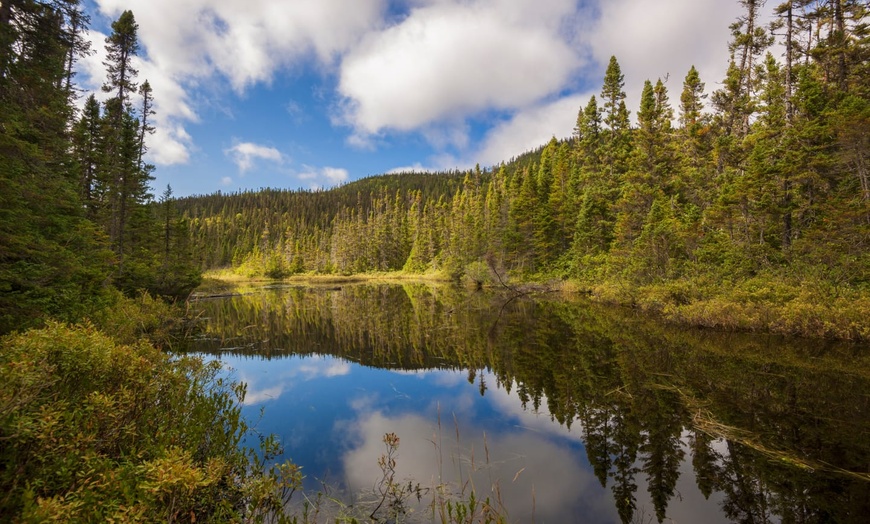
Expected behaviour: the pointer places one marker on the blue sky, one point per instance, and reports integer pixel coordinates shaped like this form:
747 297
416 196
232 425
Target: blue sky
314 93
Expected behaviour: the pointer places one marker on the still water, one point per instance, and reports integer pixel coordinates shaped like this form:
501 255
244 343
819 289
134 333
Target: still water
554 409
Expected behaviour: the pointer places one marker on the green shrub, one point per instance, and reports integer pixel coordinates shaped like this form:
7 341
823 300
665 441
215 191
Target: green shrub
129 319
96 431
478 274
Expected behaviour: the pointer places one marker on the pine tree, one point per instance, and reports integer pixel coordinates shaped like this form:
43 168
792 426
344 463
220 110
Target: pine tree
88 151
589 141
694 125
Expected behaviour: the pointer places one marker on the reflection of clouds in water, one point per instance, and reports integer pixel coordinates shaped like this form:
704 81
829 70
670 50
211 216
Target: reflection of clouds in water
509 405
319 367
527 472
259 396
688 504
535 468
438 377
267 382
450 379
364 402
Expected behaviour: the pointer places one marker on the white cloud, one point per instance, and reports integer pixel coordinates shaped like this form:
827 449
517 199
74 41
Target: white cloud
664 39
428 69
245 155
226 181
451 59
245 41
417 167
649 41
530 128
323 177
171 144
190 43
91 72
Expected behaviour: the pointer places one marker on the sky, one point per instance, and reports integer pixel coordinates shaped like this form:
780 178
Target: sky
310 94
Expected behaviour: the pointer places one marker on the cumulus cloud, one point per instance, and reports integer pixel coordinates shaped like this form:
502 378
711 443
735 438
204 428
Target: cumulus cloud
245 41
171 143
650 41
664 39
246 154
530 128
450 59
324 176
189 43
416 167
429 67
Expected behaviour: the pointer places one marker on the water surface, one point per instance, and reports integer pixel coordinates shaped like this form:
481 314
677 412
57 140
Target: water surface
555 409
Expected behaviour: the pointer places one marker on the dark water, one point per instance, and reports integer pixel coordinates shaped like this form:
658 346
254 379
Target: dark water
554 409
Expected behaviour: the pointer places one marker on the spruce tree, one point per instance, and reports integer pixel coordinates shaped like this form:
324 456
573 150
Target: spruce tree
51 263
121 46
616 144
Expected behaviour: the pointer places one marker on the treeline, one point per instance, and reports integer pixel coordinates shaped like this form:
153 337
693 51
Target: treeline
227 228
763 197
76 213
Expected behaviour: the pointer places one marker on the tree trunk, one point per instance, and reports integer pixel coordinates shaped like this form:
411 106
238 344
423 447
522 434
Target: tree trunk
840 24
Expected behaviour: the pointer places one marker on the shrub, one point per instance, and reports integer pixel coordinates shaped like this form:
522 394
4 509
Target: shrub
96 431
478 274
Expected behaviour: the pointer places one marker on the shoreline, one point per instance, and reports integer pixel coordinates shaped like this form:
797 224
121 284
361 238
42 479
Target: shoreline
776 307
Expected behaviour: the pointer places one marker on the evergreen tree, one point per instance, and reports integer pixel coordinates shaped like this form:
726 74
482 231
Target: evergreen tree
616 143
88 151
51 263
694 124
121 129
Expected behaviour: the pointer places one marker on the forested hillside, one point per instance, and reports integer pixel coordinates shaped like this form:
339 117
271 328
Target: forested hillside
750 209
76 213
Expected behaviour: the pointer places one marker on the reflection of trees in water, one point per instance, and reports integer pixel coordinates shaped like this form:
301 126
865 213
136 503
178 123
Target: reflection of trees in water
756 409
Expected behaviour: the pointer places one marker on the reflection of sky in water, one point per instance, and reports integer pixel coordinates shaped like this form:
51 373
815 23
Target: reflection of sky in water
332 415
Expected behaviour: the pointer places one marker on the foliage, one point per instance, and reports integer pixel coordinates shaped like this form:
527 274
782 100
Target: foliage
771 185
128 320
96 431
76 215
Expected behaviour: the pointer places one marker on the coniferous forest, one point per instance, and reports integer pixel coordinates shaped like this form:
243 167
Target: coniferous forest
97 422
749 209
76 209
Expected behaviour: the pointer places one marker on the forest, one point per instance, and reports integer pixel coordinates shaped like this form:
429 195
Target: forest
98 421
76 209
747 210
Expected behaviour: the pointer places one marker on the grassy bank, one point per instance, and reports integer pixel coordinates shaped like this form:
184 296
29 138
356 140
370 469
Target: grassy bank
760 304
769 303
215 278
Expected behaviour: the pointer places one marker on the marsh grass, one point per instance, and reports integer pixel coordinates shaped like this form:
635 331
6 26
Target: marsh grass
396 499
228 275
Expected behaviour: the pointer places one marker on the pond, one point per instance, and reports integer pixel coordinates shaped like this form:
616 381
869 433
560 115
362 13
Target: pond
552 408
